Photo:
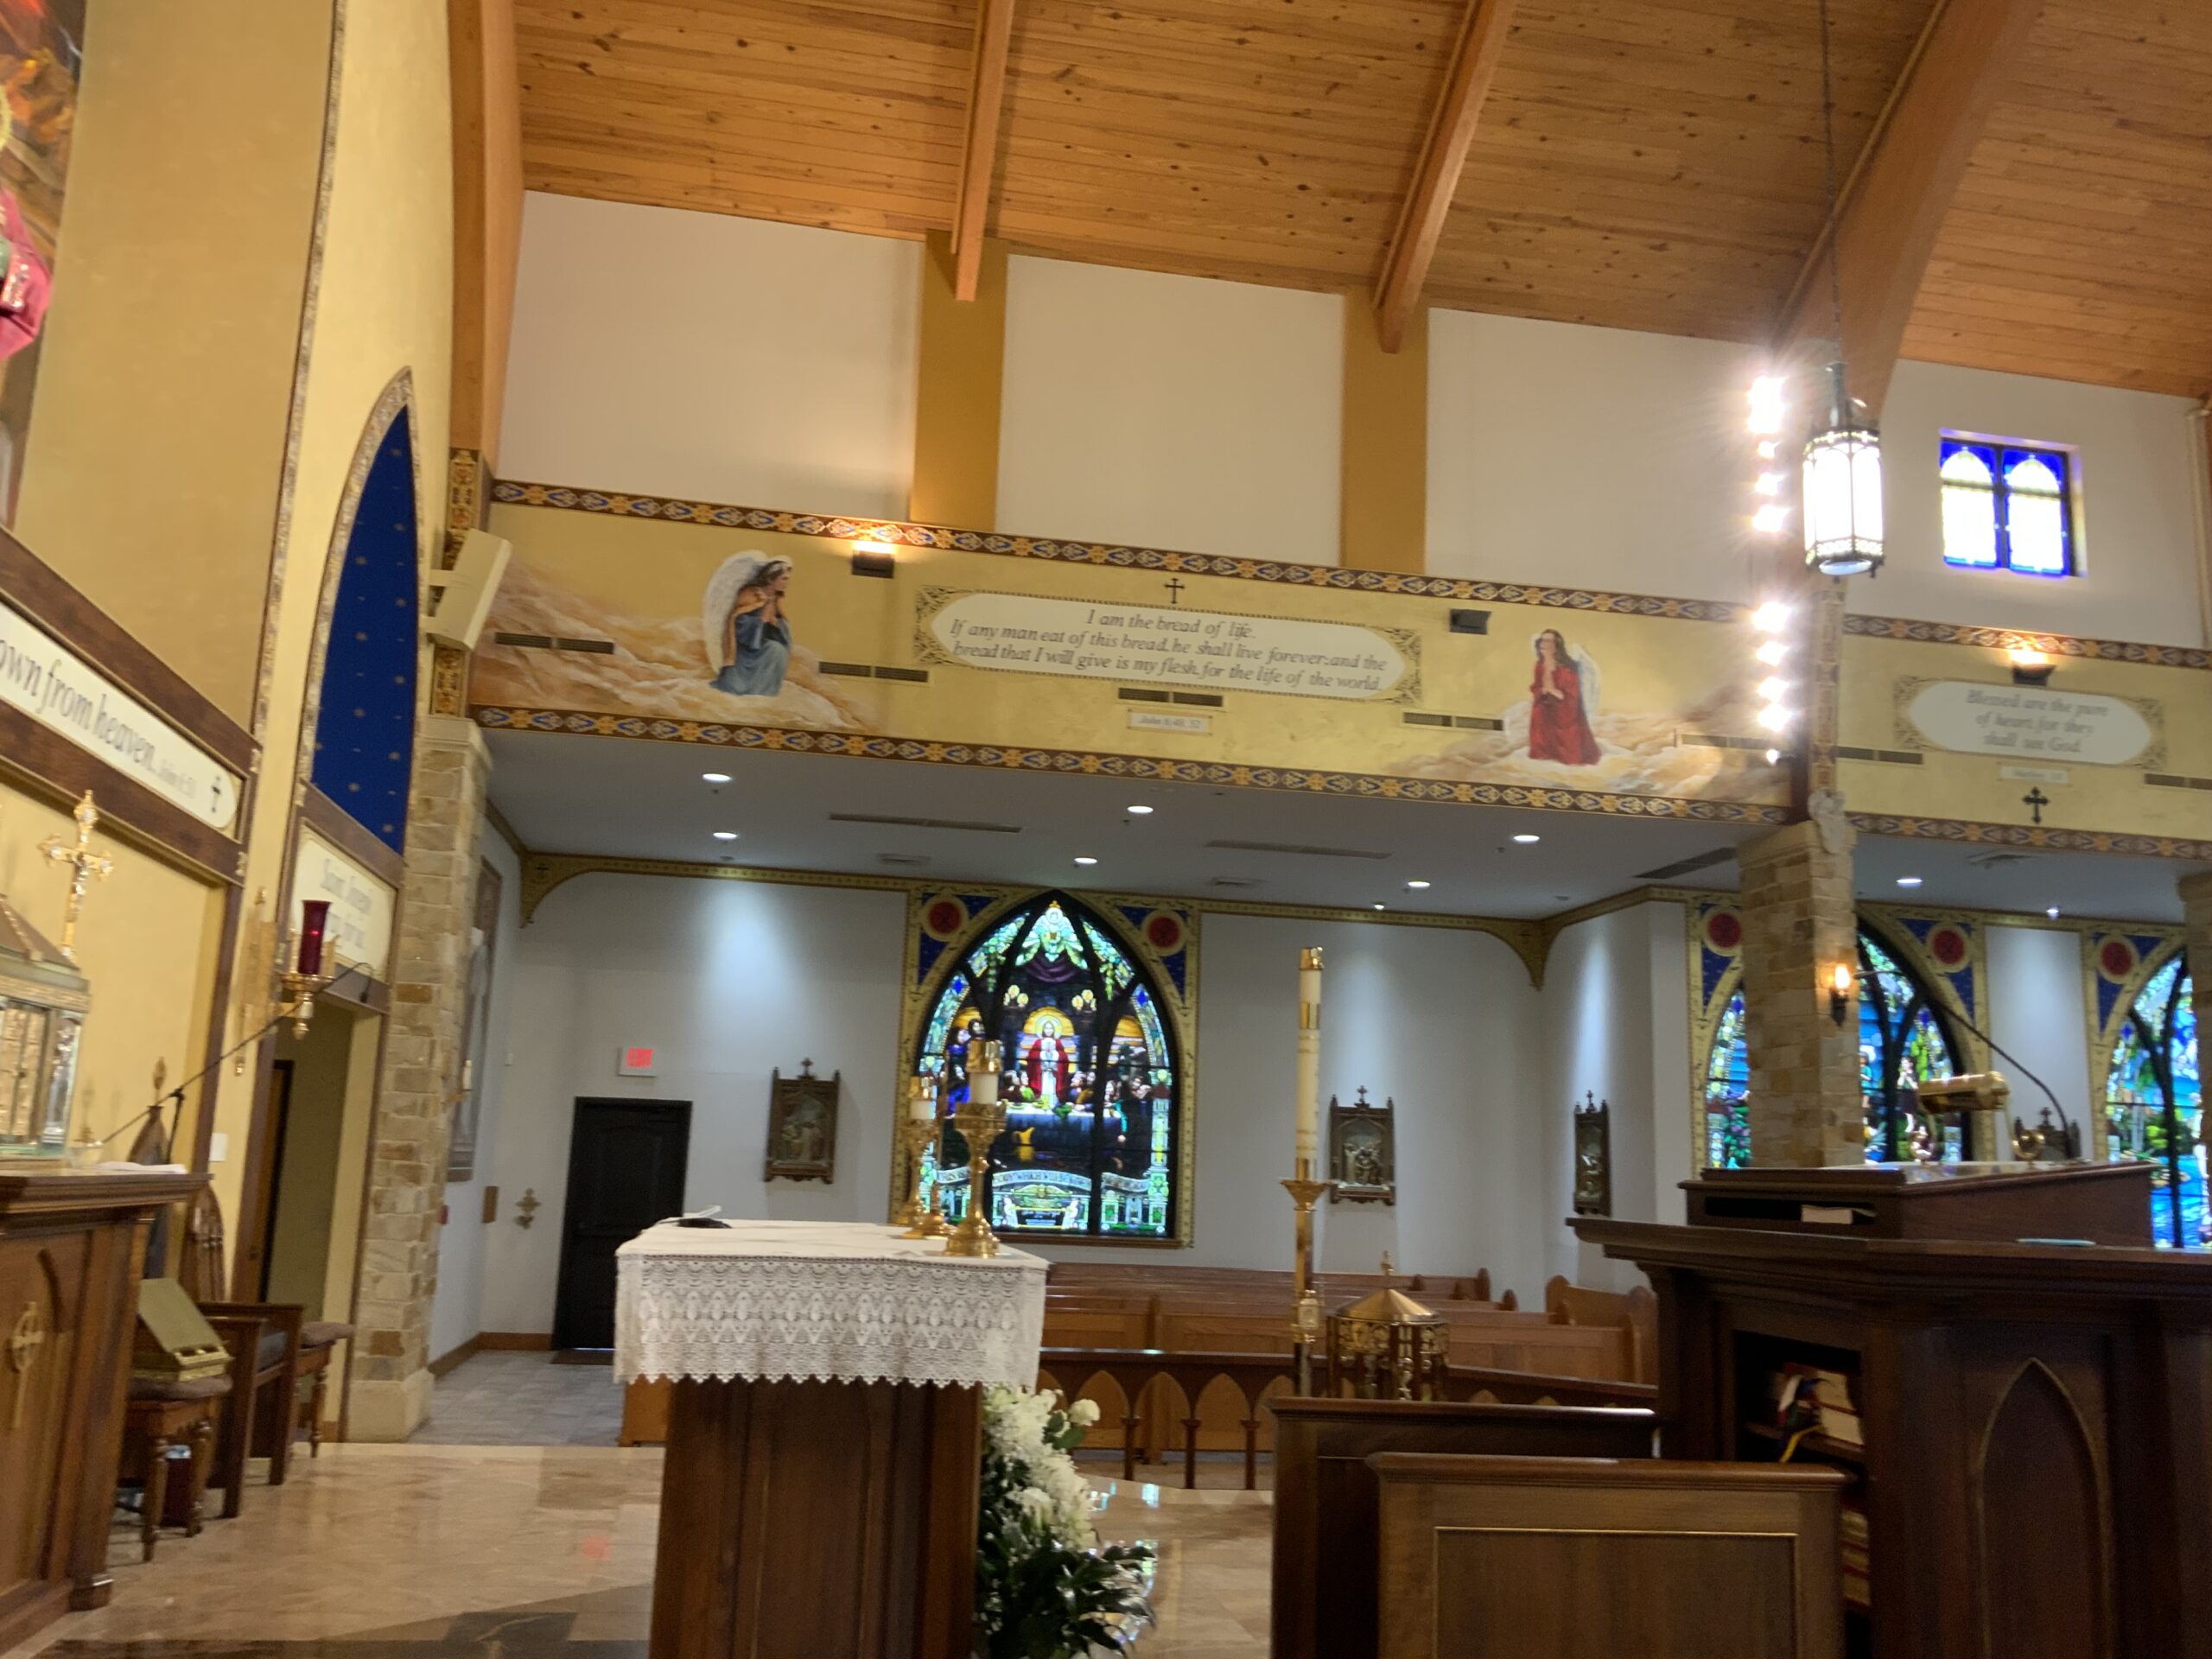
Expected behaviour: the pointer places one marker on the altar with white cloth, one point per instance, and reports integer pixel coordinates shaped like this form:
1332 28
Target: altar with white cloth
824 1439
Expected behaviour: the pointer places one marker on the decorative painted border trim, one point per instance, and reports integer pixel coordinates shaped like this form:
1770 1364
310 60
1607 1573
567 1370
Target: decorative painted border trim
2055 644
719 515
2024 835
302 359
1014 758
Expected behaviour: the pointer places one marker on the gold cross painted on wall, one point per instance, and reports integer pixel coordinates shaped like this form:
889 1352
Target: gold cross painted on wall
85 867
23 1344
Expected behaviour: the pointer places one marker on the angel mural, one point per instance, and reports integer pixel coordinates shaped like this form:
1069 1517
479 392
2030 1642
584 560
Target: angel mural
1563 699
744 626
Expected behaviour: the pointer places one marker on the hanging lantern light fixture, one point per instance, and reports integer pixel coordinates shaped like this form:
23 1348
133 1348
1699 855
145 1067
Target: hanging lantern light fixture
1842 499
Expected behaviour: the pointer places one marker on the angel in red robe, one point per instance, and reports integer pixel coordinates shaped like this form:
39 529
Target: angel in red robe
1561 698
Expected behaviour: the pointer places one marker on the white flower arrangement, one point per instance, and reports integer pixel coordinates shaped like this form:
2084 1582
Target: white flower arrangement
1045 1586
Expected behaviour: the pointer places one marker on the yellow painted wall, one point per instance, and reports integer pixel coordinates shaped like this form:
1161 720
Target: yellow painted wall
383 305
1878 676
147 941
157 434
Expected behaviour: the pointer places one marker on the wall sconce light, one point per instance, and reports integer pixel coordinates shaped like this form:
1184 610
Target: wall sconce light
1839 993
2031 666
873 557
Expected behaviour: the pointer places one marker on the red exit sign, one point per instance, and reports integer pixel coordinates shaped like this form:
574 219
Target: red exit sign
634 1061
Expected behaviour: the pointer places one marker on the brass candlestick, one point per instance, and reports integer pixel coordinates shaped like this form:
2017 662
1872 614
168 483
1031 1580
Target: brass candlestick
921 1212
980 1121
1306 1312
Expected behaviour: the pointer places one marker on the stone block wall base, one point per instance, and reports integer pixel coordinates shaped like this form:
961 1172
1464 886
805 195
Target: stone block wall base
388 1411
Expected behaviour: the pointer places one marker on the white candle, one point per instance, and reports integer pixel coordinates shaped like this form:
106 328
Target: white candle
921 1100
983 1073
1309 1060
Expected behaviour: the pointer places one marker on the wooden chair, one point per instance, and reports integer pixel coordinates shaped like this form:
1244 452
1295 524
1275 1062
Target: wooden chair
162 1414
269 1354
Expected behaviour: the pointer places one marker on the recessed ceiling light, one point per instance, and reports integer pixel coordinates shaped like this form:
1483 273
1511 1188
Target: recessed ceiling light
713 777
2052 913
1381 906
1908 881
1084 858
1528 840
725 834
1417 886
1141 811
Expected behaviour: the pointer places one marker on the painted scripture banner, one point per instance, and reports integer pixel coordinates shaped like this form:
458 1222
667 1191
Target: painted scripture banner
64 694
360 929
1207 650
2030 722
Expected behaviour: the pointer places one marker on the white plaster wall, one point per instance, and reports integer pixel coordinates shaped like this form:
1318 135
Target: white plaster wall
730 979
1171 411
2038 1009
1616 1026
457 1314
2136 531
669 352
1588 457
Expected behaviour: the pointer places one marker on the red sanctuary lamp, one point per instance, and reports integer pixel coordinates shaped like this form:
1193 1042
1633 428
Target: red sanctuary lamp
305 977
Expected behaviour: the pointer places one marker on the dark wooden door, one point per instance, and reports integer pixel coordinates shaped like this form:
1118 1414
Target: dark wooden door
625 1172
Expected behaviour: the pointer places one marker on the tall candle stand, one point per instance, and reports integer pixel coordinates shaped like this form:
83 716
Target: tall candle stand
980 1121
921 1214
1306 1315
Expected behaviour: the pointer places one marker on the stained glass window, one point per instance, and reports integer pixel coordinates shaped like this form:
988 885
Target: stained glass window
1901 1041
2154 1104
1090 1083
2007 506
1728 1081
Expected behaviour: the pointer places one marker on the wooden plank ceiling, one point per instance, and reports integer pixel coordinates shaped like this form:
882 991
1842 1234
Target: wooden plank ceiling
1649 164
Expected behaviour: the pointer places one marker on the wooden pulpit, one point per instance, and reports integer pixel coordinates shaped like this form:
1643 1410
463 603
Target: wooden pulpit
824 1436
70 1248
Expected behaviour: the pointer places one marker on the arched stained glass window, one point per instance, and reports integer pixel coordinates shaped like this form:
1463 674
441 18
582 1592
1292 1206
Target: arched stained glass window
2007 506
2154 1104
1090 1086
1728 1082
1902 1040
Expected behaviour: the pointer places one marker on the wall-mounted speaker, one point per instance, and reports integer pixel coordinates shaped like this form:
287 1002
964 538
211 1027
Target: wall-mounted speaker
461 597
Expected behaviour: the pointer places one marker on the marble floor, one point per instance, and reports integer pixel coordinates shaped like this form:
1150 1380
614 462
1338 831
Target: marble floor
426 1551
524 1399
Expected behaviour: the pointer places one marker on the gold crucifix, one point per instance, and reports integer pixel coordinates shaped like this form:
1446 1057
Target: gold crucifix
85 867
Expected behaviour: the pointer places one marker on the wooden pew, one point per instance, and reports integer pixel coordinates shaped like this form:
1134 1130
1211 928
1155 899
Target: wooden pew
1634 1312
1578 1558
1326 1518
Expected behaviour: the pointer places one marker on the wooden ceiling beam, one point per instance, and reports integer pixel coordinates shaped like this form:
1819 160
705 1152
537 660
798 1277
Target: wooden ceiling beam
1892 205
979 150
1436 175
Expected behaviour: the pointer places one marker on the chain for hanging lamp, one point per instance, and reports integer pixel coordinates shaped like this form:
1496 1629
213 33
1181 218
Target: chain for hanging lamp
1842 501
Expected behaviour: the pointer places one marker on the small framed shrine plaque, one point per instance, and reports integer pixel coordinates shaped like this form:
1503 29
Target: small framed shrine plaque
1594 1157
1362 1151
802 1125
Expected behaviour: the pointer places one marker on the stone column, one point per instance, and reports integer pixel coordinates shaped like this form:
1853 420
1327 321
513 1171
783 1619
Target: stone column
1799 921
390 1359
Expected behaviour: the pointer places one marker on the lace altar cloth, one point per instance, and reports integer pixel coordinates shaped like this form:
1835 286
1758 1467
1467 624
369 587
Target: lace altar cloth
833 1301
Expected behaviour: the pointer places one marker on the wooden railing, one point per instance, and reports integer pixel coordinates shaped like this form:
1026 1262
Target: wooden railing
1134 1371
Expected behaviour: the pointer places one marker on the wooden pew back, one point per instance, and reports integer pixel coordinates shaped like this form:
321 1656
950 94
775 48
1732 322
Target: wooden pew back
1327 1515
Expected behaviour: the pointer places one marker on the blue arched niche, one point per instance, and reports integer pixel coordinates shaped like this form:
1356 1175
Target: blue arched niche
364 730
